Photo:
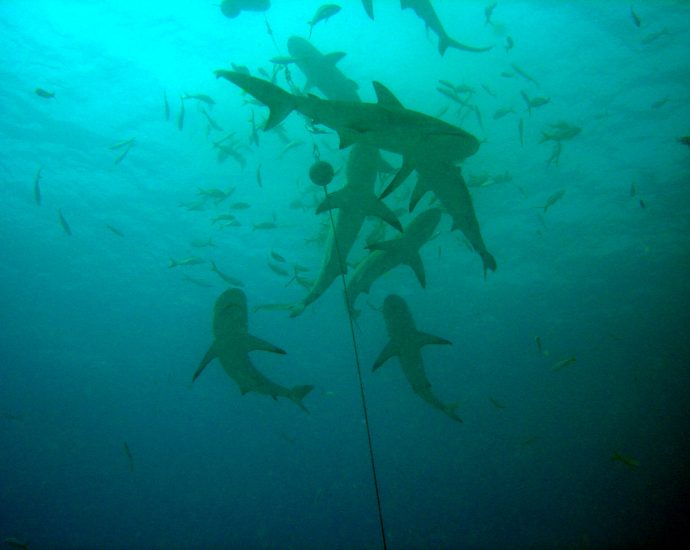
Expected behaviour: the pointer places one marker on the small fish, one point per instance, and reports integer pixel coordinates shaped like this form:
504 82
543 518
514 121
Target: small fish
227 278
537 340
635 17
254 136
37 186
488 12
45 94
202 243
534 102
653 36
166 105
489 90
224 218
289 147
120 144
278 270
660 103
555 154
630 462
197 282
524 74
115 230
509 43
212 123
277 257
553 199
283 60
521 132
240 205
496 403
258 176
633 190
561 131
192 260
124 152
180 116
642 204
502 111
203 98
128 454
563 363
64 224
323 13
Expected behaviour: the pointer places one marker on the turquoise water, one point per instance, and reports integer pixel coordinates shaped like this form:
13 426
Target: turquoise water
107 444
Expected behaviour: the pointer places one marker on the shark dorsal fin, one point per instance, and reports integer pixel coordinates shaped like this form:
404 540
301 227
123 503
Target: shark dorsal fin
385 97
334 57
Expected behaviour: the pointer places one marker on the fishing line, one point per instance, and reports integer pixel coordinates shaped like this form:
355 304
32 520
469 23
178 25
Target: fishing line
351 322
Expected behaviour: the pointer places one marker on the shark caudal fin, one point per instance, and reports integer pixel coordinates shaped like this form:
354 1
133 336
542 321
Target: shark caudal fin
298 393
445 42
279 102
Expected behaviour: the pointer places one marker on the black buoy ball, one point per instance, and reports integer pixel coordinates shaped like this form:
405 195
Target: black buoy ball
321 173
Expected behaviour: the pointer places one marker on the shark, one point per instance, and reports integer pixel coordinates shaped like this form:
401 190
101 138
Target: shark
231 346
385 125
406 343
447 183
356 200
354 203
321 71
387 255
426 12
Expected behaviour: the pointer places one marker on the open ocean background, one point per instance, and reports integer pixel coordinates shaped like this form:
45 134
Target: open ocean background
99 338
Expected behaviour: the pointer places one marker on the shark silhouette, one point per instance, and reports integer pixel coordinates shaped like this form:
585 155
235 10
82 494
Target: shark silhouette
406 343
387 255
232 344
385 125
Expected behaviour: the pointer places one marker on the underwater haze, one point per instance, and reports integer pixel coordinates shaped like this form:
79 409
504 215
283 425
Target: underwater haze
138 185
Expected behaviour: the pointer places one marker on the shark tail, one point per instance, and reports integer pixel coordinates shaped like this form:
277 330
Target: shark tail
445 42
279 102
298 393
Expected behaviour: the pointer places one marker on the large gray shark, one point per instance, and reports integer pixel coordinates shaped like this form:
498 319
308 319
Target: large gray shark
354 202
387 255
385 125
425 11
321 71
232 344
447 183
406 342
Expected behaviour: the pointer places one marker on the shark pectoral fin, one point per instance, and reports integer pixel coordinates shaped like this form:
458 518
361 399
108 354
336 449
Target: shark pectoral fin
405 170
415 262
385 97
450 409
417 193
334 200
425 339
347 137
210 356
380 210
389 351
334 57
256 343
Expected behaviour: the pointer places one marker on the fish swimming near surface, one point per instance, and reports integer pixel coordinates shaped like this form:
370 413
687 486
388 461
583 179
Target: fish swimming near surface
114 230
385 125
425 11
406 343
63 222
563 363
192 260
553 199
225 277
232 344
37 186
387 255
323 13
45 94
